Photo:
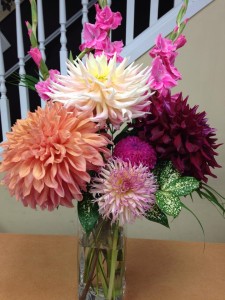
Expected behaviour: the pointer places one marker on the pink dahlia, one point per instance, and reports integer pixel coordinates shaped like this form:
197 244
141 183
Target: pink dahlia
124 192
47 156
180 134
135 150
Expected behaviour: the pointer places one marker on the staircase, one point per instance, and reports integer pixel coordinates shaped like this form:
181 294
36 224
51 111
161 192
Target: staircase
142 21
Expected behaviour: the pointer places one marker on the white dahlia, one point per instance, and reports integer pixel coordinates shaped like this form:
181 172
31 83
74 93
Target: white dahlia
113 92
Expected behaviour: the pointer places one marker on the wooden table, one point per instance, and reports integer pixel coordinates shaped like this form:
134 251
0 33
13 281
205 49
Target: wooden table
44 268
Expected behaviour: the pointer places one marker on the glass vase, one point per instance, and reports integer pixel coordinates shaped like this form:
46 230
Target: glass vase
101 262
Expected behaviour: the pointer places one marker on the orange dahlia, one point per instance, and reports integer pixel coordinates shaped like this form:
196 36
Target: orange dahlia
48 155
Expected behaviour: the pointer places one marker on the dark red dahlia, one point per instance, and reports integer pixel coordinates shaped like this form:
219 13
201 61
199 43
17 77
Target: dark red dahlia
181 134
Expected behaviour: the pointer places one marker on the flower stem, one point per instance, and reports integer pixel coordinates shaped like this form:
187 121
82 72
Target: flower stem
83 53
113 262
91 273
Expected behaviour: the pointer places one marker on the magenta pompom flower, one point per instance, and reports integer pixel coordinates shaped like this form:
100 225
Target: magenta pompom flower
133 149
124 192
181 134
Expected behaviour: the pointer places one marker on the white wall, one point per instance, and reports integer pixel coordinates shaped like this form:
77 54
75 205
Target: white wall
202 64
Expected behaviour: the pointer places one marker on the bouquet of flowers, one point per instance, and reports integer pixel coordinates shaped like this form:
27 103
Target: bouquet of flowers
114 138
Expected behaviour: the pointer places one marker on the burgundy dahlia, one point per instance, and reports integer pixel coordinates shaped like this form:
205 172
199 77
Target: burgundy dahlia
133 149
181 134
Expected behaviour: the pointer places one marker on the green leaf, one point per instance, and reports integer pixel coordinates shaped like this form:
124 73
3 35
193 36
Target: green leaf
102 3
181 28
169 203
166 174
213 190
30 78
180 25
34 16
44 69
211 197
71 57
172 35
156 215
88 213
33 38
26 80
183 186
182 12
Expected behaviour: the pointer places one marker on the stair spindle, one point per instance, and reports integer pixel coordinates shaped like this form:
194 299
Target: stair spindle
63 39
84 15
23 92
4 104
41 29
130 21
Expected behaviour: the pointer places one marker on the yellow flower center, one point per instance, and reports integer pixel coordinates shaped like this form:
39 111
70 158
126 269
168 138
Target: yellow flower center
101 77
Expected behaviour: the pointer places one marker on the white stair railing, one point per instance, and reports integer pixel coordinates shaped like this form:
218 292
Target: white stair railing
84 15
63 39
4 104
153 16
130 21
41 29
41 34
23 91
176 2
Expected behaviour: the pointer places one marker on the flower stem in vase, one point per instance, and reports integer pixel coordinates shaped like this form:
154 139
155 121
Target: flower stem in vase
113 262
91 274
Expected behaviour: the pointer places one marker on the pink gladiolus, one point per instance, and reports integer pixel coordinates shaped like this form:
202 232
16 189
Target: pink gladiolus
29 30
176 28
163 47
164 74
106 19
36 56
110 48
186 20
160 79
180 42
43 87
171 69
93 36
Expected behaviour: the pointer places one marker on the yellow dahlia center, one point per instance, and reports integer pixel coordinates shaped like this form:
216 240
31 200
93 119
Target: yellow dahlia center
101 77
122 184
101 72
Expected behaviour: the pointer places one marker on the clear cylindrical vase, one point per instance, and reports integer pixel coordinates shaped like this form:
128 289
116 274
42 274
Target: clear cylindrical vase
101 262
